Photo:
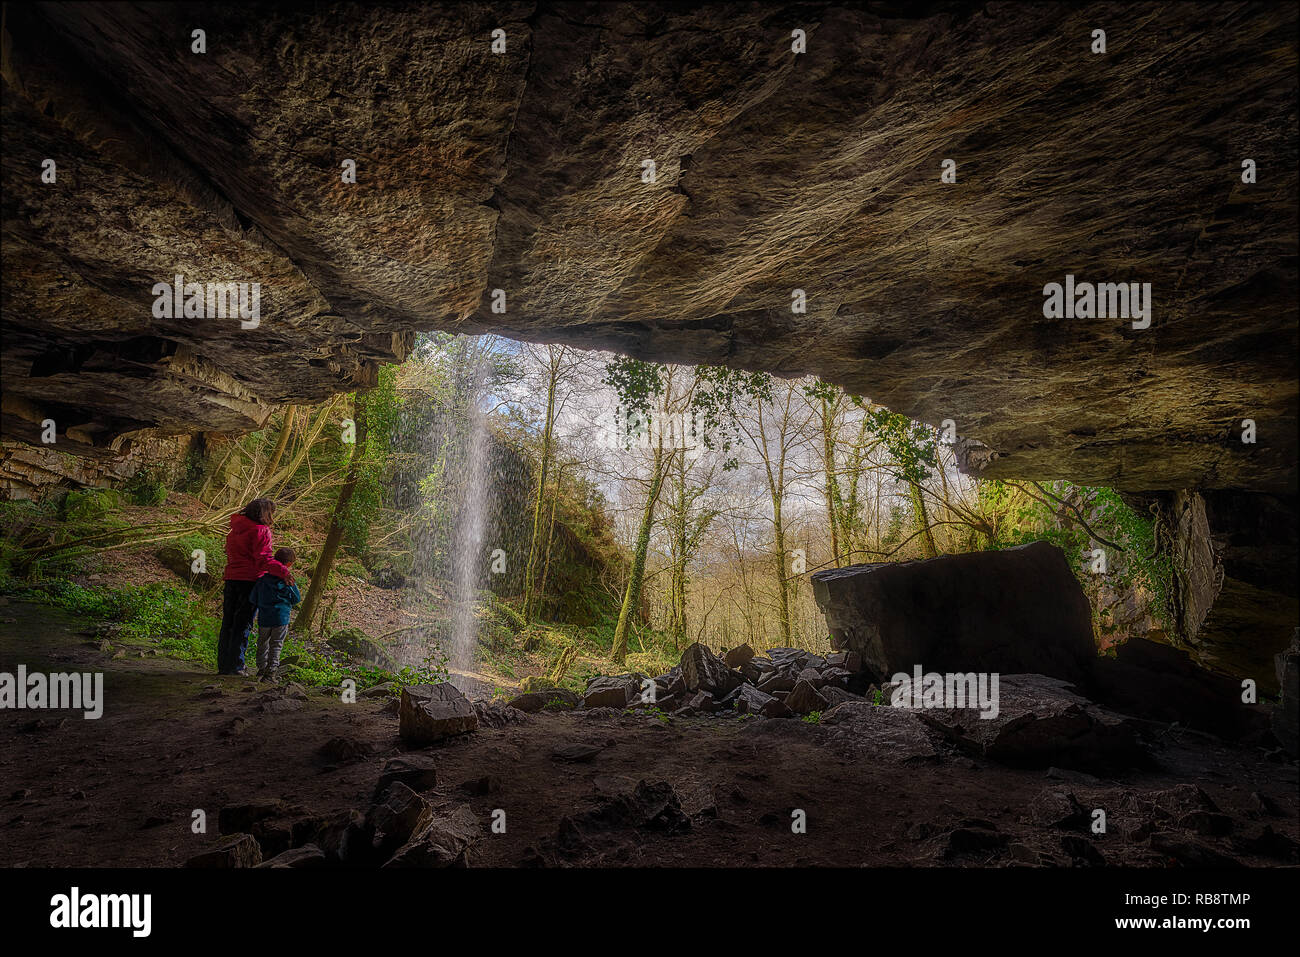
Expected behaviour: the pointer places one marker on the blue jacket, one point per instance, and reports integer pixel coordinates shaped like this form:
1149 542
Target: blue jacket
273 597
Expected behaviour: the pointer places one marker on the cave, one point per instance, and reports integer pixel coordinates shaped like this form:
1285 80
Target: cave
907 207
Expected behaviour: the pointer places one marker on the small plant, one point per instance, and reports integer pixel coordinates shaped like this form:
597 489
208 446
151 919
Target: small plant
813 717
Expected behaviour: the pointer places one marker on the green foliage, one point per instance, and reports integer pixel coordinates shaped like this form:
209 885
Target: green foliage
813 717
910 444
166 616
145 487
1137 564
715 400
382 407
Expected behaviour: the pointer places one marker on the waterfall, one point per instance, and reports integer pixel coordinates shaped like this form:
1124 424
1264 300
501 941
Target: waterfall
467 558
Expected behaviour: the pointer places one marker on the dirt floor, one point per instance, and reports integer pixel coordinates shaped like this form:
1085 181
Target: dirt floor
121 790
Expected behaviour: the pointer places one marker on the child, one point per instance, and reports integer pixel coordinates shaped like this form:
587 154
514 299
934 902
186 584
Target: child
273 595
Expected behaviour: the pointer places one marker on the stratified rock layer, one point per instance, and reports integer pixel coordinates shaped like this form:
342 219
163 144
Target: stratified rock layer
522 171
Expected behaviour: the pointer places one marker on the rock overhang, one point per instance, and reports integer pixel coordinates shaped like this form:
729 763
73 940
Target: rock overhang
820 171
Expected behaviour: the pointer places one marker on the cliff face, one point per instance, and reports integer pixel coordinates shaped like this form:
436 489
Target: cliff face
522 171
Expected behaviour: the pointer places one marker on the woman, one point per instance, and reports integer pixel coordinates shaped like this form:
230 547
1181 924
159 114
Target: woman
248 549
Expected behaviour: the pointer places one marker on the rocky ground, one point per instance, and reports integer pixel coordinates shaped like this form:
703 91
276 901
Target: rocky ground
285 770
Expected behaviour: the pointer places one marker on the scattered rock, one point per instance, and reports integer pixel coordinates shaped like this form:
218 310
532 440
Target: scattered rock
702 701
1056 807
1042 722
1190 852
415 771
307 856
804 698
493 714
1266 804
344 839
834 696
445 841
392 821
651 806
609 691
1176 802
702 670
236 818
1206 823
1262 839
235 850
777 681
280 705
1074 777
1082 850
862 731
738 656
381 690
753 701
973 840
578 753
488 784
344 750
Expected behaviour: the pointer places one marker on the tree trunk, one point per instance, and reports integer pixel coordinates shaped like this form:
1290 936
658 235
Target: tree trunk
302 623
286 429
535 543
310 435
550 538
833 505
636 576
782 594
677 594
922 521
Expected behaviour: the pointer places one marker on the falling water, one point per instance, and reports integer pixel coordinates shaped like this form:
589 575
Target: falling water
466 556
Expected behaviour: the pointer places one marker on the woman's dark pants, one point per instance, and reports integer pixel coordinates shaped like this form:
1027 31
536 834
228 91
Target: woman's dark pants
236 622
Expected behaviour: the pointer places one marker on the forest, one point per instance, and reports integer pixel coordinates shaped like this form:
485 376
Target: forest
514 515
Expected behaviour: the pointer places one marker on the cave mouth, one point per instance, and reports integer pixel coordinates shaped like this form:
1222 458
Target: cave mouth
754 375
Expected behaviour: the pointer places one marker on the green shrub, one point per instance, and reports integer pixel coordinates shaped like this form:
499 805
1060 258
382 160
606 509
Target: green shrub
145 488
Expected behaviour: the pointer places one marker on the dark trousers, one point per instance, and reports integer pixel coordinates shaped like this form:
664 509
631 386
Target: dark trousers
236 622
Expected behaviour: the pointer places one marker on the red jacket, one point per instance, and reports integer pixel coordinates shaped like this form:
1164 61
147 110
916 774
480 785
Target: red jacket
248 549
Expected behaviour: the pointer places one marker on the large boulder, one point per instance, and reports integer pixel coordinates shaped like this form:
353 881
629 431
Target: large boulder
430 713
1014 611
